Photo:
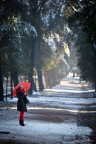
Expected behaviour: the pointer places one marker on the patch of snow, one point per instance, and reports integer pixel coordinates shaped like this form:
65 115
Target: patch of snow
35 93
42 131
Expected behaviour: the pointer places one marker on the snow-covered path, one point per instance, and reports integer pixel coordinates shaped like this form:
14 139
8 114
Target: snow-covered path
40 132
53 117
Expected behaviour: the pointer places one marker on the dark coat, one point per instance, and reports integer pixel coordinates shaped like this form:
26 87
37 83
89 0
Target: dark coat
21 103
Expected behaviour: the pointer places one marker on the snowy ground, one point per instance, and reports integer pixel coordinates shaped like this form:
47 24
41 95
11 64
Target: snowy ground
62 115
44 132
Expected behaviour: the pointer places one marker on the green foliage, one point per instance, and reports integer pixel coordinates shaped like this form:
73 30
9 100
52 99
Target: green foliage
82 20
16 26
13 31
87 63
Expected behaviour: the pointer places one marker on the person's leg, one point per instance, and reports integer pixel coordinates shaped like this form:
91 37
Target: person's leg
21 119
21 116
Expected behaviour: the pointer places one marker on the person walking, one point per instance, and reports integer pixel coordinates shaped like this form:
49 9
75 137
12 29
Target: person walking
21 104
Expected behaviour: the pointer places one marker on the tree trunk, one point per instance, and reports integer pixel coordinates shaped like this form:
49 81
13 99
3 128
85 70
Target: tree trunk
41 86
95 87
31 71
46 79
6 87
11 85
15 77
33 85
1 84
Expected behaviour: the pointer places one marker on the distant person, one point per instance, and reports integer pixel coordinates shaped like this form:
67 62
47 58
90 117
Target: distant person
21 103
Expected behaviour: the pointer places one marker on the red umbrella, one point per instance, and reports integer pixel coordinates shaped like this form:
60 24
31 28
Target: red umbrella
26 86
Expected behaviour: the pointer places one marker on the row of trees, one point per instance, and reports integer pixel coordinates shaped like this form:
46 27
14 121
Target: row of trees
26 30
81 17
40 36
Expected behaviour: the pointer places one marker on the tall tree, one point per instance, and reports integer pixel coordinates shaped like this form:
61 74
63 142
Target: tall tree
82 19
10 18
46 13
